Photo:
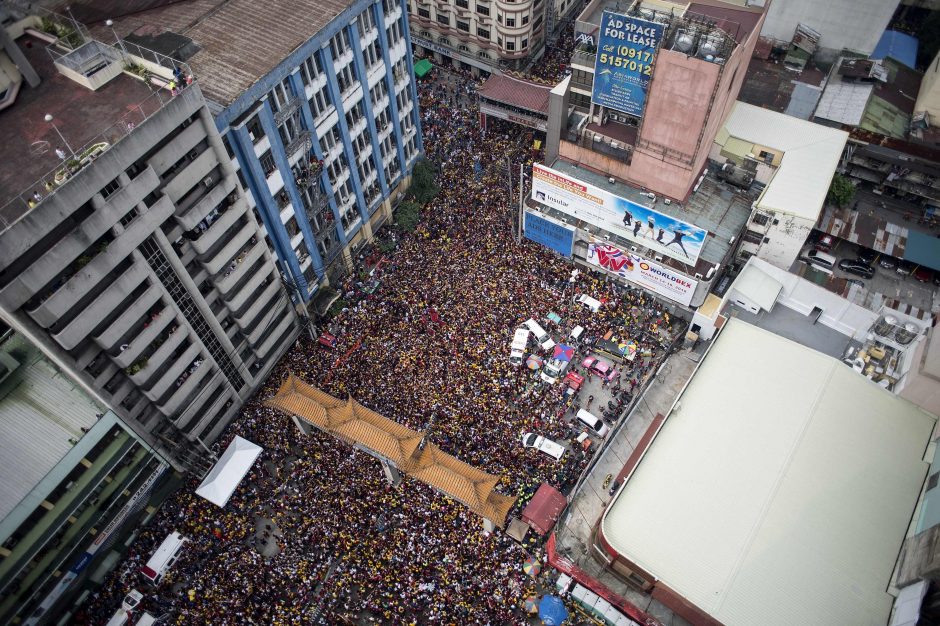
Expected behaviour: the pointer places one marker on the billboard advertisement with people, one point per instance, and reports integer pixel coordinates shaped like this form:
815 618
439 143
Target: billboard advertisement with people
643 272
647 227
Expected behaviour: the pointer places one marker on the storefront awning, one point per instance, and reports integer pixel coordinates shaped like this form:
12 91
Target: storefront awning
422 67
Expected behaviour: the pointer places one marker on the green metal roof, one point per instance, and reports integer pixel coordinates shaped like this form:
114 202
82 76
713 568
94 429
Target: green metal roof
422 67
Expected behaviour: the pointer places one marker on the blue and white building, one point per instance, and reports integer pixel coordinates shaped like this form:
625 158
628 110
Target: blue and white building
318 112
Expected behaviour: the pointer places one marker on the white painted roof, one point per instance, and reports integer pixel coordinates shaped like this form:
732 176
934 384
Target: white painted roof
757 286
779 491
220 483
811 154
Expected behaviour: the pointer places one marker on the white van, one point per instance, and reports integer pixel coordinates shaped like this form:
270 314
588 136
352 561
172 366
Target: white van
123 615
541 336
553 370
164 558
146 620
593 422
592 303
820 260
576 333
519 343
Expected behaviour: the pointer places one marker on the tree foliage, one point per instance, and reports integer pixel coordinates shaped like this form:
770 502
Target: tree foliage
841 191
408 215
423 183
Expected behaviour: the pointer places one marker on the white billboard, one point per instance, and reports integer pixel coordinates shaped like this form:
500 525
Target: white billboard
641 271
647 227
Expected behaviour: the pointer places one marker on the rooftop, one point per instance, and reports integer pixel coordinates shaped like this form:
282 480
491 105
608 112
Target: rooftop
771 85
772 542
714 207
897 45
82 115
519 93
229 44
811 154
736 20
42 414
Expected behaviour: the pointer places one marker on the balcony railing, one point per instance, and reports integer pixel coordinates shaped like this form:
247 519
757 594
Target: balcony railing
297 143
292 104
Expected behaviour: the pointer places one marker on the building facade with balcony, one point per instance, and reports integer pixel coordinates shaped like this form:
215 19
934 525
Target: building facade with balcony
485 35
75 482
135 262
322 125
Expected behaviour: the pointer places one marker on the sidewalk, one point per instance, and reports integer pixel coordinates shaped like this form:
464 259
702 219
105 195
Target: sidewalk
574 530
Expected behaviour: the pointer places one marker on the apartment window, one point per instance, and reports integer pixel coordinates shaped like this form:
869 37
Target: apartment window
932 481
280 95
760 219
320 102
537 22
108 190
426 14
267 163
753 237
525 44
499 18
510 45
525 20
228 146
483 32
255 130
309 71
464 26
510 22
463 4
339 44
483 9
443 19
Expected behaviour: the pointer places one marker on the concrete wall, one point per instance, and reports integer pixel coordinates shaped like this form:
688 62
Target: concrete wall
853 24
928 98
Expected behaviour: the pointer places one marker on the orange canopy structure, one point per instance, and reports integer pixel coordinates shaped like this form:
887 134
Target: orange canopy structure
357 425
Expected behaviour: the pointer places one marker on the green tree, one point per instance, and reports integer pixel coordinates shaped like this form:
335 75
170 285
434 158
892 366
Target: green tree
841 191
423 184
408 215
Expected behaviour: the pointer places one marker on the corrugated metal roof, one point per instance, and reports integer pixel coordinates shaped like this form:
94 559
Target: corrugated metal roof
897 45
41 411
844 102
783 502
811 153
518 93
240 41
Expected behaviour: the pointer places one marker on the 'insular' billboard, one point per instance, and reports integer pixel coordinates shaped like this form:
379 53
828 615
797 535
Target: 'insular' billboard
626 52
648 227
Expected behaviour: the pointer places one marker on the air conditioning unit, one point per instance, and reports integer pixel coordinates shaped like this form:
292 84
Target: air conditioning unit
611 180
651 195
731 241
207 182
606 237
667 201
658 258
632 248
699 276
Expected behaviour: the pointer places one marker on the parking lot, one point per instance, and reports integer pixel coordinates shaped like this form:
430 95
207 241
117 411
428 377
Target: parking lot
886 288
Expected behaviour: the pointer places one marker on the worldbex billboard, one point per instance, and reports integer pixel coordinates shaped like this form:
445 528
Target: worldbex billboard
641 271
647 227
626 51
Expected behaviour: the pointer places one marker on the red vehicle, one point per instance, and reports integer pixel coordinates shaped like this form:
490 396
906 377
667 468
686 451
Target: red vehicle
327 340
574 381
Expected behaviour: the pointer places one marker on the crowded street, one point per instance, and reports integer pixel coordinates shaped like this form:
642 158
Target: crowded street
315 533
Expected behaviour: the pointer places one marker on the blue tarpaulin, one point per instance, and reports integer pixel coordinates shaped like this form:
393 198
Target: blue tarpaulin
922 249
552 611
899 46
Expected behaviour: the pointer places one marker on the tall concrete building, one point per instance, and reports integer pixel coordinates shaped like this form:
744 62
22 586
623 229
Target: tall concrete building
128 252
318 114
73 480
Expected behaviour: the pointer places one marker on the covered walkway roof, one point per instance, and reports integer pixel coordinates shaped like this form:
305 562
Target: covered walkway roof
357 425
220 483
518 93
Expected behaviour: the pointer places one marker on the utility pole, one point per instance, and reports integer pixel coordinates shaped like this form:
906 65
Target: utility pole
521 193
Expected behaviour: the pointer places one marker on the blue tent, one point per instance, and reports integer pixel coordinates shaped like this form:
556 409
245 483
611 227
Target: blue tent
563 352
899 46
552 611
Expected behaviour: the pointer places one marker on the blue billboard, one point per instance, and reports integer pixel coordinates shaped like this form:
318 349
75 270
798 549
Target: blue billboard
626 52
551 235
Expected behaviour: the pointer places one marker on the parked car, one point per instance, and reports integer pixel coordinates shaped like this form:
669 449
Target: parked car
887 262
856 267
923 274
599 368
540 443
906 268
867 255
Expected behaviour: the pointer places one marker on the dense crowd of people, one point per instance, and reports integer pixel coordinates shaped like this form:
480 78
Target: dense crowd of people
342 545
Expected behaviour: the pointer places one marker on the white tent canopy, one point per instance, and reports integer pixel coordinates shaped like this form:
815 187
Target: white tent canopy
592 303
220 483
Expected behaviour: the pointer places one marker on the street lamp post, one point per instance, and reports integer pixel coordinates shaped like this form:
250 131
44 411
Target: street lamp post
120 42
50 119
